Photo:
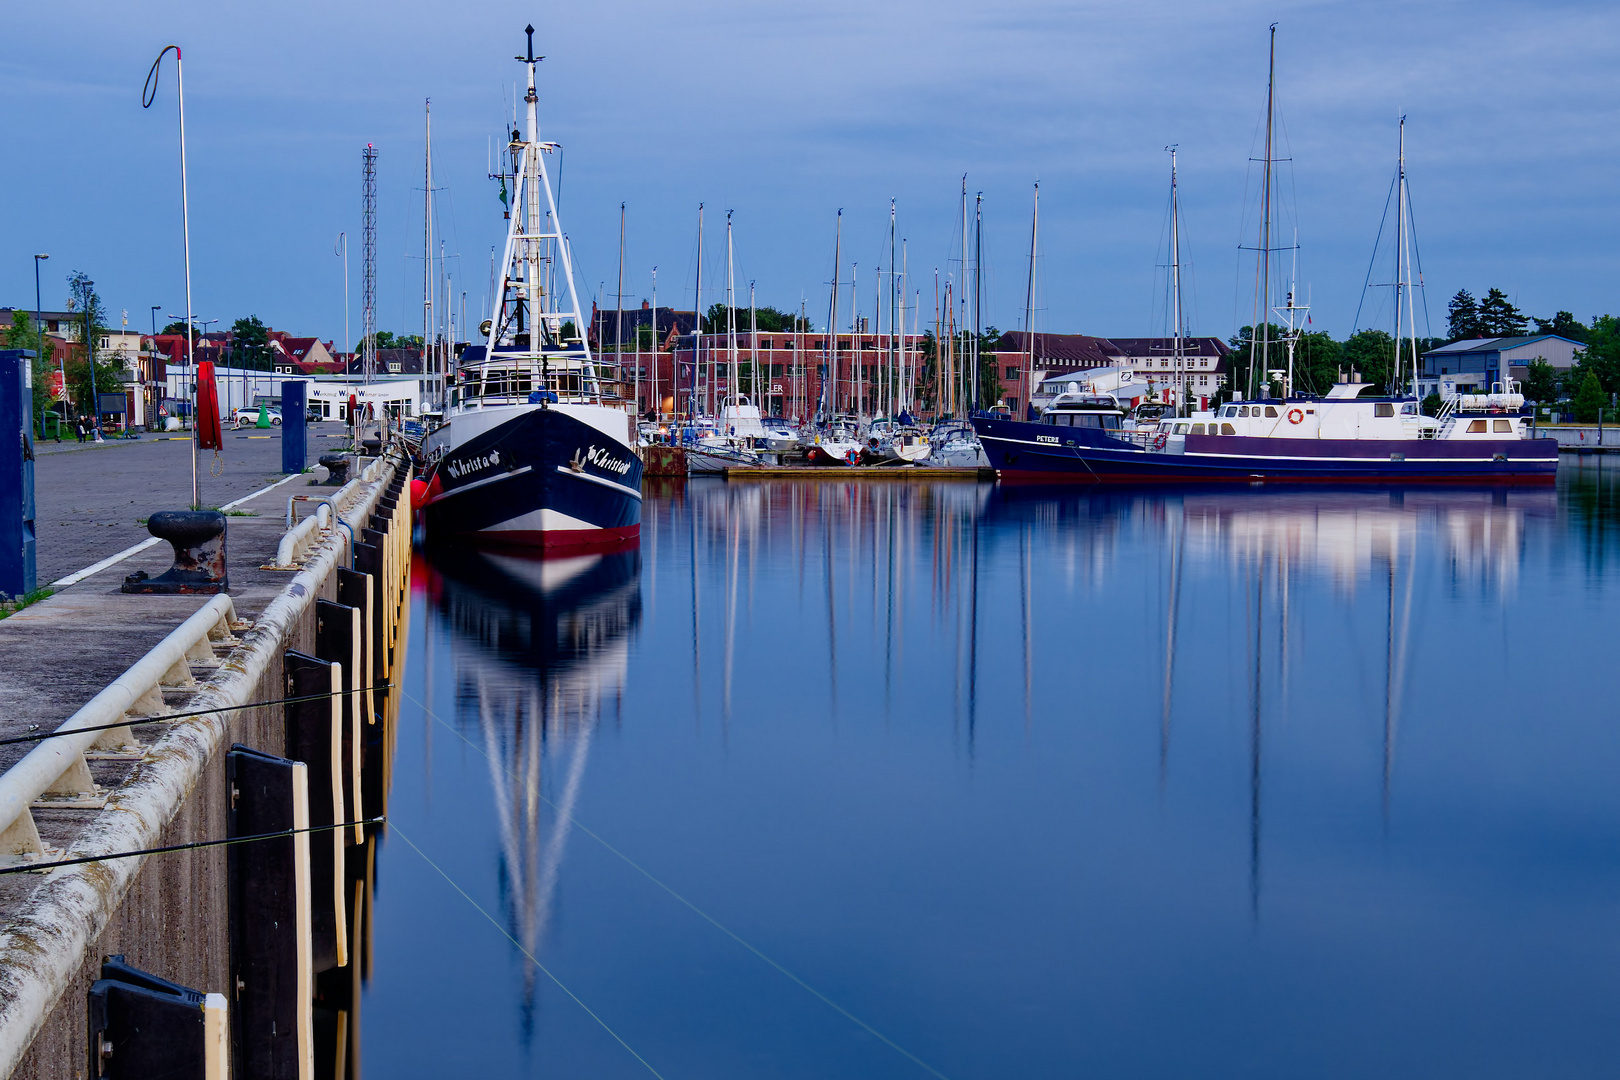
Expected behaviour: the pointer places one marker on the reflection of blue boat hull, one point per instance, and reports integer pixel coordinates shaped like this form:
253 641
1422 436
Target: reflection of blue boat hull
1045 453
543 479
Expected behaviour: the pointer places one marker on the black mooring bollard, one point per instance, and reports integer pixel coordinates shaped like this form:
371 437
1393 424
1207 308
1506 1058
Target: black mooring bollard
198 538
337 468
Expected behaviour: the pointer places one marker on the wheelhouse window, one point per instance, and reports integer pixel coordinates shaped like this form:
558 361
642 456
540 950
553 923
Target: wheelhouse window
1476 427
1227 429
1198 429
1502 425
1271 413
1383 408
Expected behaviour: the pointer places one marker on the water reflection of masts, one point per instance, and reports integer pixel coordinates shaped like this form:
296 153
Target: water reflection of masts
1173 612
1395 650
1258 570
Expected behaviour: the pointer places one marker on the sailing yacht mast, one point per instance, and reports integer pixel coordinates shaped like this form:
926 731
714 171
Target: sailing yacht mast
978 291
1029 299
731 317
896 321
753 348
1403 267
697 328
1261 338
829 382
1178 347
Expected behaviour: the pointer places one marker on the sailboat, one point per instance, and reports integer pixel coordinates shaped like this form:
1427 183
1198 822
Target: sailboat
536 447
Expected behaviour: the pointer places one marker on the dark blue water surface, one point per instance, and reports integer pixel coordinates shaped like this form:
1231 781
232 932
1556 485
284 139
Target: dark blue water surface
889 779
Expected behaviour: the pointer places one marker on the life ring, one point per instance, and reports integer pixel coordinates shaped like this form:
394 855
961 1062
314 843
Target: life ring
852 456
1296 416
1158 443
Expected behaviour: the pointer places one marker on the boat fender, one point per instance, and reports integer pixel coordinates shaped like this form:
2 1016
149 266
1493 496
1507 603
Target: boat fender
1295 416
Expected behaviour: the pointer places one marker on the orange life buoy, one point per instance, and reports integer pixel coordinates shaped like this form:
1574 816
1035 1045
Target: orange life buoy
1158 443
1295 416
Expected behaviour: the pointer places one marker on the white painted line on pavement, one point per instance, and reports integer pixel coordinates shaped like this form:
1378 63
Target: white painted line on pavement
112 560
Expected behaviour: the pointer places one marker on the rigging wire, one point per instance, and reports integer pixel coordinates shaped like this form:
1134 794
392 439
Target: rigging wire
710 919
531 957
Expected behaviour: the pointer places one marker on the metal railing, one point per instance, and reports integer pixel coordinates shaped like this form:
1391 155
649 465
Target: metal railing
57 771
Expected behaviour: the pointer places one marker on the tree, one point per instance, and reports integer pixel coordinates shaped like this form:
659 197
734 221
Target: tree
87 377
1245 351
1589 399
1317 362
769 319
23 335
1371 353
1462 316
1541 382
1564 324
1498 317
250 344
1602 355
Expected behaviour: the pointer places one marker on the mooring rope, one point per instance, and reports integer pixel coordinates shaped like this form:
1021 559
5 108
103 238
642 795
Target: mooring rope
34 868
133 721
710 919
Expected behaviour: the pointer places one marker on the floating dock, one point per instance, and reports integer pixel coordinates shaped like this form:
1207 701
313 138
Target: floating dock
854 472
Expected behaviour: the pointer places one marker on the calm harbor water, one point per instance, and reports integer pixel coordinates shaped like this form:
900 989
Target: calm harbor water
899 780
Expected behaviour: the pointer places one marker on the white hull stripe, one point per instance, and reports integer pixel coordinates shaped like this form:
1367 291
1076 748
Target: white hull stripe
620 488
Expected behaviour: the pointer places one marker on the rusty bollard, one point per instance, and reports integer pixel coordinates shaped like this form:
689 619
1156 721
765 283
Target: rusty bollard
337 468
198 538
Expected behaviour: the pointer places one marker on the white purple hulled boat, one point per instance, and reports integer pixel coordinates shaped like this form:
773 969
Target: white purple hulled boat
537 446
1350 436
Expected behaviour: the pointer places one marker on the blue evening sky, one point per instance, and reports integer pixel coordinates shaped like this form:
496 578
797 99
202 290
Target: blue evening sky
786 111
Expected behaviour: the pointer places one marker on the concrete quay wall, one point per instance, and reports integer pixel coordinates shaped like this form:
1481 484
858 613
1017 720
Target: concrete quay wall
166 913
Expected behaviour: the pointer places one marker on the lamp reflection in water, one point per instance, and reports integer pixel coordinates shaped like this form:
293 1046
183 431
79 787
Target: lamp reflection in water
540 649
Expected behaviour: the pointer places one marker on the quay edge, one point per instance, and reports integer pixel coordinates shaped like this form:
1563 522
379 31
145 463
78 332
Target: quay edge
167 913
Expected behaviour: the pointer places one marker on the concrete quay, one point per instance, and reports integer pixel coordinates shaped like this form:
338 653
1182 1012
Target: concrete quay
167 913
90 498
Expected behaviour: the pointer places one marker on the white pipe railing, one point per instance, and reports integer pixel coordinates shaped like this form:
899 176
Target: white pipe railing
57 766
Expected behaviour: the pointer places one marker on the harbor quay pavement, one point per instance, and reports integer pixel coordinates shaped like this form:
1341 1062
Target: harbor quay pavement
91 499
57 654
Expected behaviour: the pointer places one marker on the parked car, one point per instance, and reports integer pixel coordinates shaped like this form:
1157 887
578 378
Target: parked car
249 415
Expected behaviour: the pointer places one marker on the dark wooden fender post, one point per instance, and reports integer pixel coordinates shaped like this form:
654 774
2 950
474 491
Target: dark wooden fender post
315 737
143 1026
356 590
339 638
271 966
368 560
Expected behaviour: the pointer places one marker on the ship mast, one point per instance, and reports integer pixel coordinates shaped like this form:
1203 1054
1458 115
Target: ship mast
1260 339
528 317
1029 299
1178 345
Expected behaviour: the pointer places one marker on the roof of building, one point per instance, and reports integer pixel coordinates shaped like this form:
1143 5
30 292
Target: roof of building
1162 347
1498 344
1072 351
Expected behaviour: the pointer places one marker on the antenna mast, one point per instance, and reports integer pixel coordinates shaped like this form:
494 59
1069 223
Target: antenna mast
368 262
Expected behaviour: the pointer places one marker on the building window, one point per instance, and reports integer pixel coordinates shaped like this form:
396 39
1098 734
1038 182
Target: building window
393 366
1012 371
